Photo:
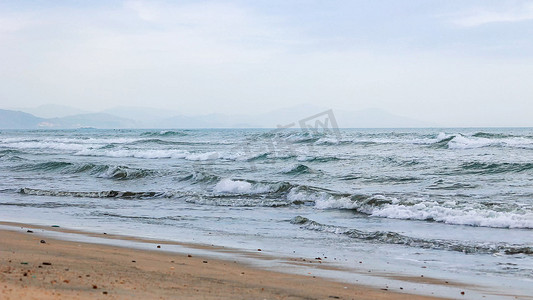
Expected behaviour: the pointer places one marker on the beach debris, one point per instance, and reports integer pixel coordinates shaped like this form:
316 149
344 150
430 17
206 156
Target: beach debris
29 231
47 263
43 242
258 249
205 261
23 263
462 293
318 258
334 297
133 261
55 226
25 274
95 286
104 292
158 246
105 232
189 255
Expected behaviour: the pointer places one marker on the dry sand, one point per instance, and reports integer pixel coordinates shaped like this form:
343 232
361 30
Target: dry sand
60 269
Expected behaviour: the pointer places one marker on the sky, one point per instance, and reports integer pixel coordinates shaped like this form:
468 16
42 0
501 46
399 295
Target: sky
453 62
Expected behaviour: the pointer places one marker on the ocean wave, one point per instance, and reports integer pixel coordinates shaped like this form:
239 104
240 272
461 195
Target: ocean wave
495 168
489 135
248 187
11 155
161 154
164 133
99 194
248 201
49 145
448 212
101 171
200 177
298 170
464 142
26 141
389 237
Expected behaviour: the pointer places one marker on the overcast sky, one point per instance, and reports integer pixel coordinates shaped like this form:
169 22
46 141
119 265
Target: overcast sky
452 62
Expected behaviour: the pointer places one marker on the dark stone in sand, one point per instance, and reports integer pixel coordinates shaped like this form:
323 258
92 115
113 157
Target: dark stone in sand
158 246
47 264
95 286
335 297
133 261
205 261
25 274
189 255
104 292
462 293
43 242
258 249
29 231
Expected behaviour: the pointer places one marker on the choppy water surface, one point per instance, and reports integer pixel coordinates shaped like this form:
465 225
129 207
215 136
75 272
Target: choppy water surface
456 201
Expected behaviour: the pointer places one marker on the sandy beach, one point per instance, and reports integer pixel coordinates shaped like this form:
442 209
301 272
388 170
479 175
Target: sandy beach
36 267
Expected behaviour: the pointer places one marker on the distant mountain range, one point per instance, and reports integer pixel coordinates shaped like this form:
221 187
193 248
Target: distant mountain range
141 117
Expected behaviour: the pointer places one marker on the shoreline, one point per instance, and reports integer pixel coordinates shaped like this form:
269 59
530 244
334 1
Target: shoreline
76 267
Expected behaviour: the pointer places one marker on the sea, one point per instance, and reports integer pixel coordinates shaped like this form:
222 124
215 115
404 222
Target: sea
450 203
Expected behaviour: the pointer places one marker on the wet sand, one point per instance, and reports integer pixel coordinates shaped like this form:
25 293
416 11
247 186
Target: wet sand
59 269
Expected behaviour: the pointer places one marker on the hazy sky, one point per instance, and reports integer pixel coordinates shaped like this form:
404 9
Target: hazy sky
453 62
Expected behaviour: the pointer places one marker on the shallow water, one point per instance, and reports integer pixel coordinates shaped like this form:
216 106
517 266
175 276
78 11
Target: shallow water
458 202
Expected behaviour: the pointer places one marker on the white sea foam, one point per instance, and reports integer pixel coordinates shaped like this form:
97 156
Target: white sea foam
454 215
47 145
466 142
147 153
202 156
227 185
448 212
80 140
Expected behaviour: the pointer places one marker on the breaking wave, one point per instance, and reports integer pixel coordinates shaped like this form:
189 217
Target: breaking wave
389 237
164 133
100 194
102 171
